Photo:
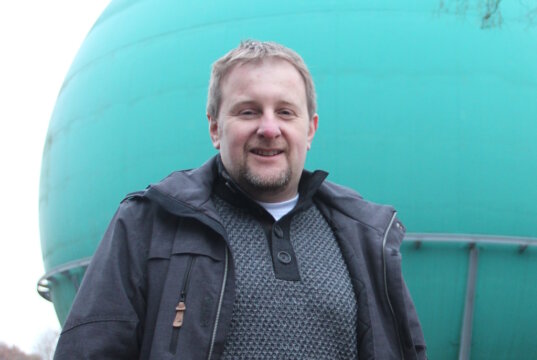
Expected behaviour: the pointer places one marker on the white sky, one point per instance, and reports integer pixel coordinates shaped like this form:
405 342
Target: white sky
38 41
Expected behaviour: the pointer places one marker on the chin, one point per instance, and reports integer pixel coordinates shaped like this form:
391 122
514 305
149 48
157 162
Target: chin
267 181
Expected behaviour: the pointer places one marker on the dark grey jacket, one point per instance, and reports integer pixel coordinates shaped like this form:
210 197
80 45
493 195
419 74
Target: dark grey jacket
168 241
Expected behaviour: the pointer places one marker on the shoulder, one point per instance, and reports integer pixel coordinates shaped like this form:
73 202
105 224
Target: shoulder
191 186
340 191
349 202
183 188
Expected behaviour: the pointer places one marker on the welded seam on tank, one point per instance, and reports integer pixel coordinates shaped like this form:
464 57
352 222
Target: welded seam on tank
113 12
209 24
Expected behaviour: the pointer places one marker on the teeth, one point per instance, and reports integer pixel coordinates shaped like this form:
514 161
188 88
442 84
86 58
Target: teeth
267 152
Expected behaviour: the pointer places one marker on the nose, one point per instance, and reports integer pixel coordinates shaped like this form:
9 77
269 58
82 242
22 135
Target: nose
269 127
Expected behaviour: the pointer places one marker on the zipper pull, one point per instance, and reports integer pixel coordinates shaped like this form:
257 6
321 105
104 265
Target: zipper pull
179 314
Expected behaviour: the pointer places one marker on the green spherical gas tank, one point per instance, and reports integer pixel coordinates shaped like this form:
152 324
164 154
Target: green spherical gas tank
428 106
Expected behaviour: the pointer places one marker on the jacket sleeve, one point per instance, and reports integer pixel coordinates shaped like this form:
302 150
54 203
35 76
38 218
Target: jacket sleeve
411 334
415 327
105 321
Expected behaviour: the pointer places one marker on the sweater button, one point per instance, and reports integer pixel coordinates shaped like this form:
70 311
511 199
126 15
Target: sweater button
284 257
278 231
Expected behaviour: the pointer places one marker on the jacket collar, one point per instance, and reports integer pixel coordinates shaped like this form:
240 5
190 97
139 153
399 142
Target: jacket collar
192 189
230 191
186 192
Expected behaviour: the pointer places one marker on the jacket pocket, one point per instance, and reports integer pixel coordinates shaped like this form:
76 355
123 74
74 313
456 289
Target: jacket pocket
181 306
188 267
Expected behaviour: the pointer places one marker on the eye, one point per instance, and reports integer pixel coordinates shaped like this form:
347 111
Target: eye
286 113
247 113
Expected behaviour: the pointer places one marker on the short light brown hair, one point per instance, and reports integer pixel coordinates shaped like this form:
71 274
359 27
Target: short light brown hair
251 51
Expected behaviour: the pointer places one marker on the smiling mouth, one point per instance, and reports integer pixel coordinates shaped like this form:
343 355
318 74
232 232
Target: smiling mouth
262 152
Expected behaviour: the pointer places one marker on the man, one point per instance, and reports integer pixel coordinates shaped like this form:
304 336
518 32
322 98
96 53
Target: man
249 256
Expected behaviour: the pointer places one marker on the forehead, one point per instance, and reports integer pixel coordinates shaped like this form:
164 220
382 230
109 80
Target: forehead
262 77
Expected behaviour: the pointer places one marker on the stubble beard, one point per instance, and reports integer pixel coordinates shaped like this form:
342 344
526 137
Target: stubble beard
261 183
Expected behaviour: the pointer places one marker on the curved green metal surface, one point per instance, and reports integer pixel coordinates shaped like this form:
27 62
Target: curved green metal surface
427 106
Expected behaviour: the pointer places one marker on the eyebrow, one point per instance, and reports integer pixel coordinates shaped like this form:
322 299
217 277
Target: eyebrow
287 103
245 102
255 103
240 104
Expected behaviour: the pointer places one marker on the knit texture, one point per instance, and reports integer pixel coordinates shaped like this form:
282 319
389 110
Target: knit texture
314 318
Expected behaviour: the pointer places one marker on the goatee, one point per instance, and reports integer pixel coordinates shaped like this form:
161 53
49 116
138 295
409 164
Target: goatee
264 183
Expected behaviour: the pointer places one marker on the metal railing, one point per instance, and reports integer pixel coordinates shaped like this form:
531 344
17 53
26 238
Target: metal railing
67 269
473 260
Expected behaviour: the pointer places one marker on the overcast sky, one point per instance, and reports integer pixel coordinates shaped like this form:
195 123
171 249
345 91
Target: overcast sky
39 40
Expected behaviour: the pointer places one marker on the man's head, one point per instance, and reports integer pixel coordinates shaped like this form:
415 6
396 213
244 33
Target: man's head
262 119
255 51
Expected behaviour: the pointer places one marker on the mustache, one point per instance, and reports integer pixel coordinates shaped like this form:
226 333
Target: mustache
266 145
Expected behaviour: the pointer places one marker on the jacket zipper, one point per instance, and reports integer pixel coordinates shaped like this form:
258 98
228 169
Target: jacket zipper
181 307
386 285
224 280
181 208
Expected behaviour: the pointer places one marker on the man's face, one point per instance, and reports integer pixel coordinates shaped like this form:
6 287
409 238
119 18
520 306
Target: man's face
263 130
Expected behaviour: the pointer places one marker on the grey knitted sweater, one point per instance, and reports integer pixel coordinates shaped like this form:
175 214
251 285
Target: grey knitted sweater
309 315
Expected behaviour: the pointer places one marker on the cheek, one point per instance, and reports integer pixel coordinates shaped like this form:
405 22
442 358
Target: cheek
233 140
302 153
298 152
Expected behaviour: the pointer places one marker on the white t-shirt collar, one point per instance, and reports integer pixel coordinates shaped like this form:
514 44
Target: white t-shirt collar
279 209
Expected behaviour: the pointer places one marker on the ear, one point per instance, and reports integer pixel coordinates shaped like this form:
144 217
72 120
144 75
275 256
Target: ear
312 128
213 131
